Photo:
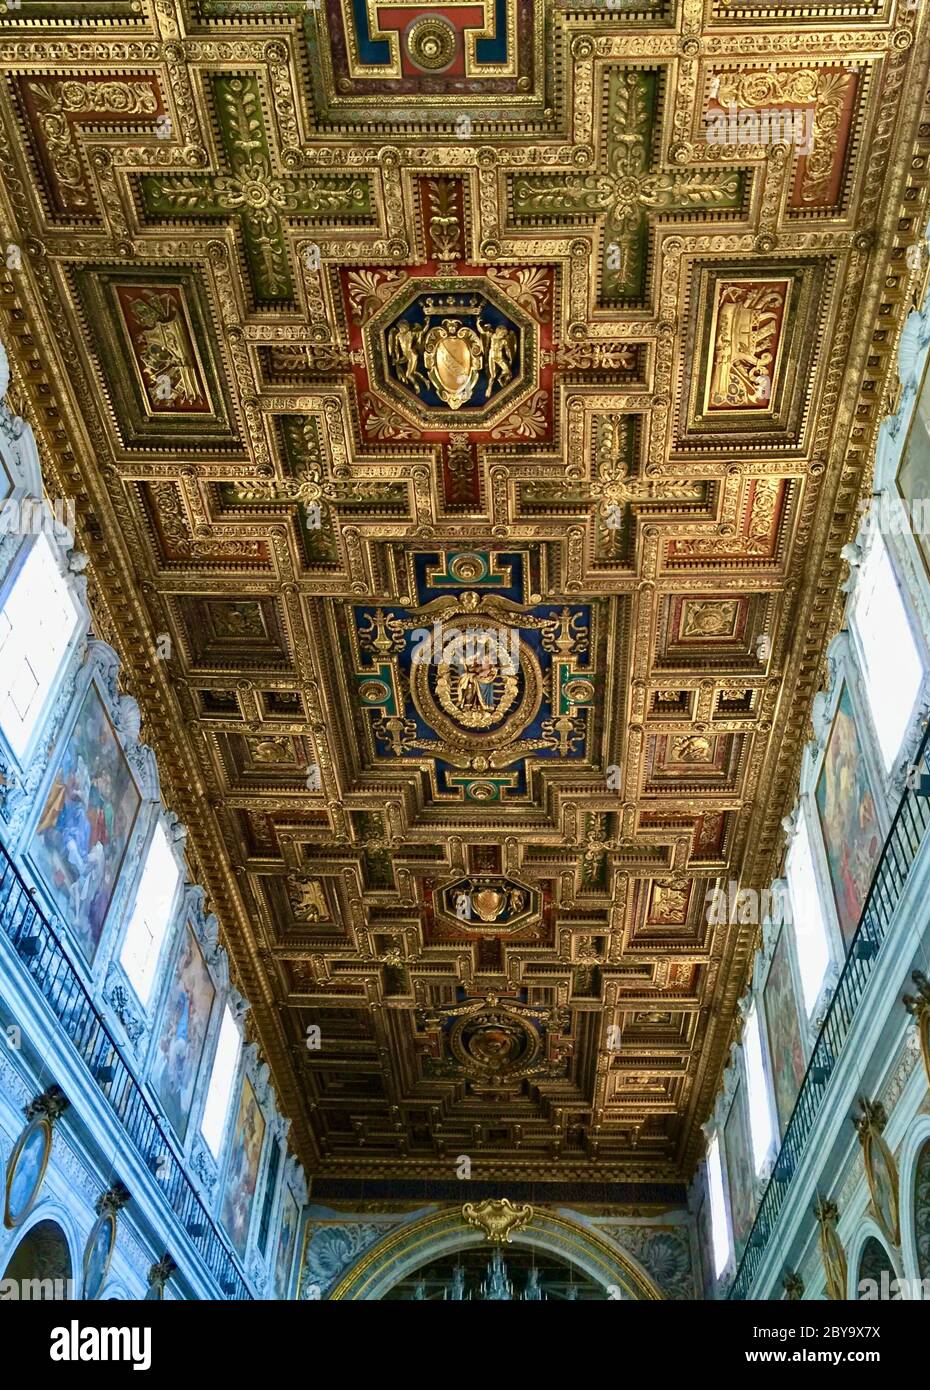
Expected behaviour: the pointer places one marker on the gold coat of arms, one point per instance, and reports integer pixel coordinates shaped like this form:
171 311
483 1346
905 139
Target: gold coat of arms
452 354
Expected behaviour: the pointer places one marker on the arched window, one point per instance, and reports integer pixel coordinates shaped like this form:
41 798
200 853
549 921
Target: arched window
38 619
151 913
761 1124
721 1236
809 923
219 1092
891 663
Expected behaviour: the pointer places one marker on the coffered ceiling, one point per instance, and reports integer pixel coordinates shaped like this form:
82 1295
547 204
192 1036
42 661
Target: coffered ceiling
466 405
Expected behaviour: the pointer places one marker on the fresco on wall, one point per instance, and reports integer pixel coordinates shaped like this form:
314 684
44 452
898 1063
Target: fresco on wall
242 1173
285 1256
185 1019
81 836
784 1029
740 1174
847 817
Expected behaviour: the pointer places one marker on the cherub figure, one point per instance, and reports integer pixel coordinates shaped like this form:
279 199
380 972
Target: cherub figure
404 347
500 346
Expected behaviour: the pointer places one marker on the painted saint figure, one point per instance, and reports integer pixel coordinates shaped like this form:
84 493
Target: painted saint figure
476 683
85 824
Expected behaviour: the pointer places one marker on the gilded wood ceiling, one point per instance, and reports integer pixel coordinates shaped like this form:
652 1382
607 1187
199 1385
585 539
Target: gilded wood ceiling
467 404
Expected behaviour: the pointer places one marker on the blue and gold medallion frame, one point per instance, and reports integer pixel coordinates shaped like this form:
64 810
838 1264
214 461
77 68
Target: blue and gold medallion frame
25 1171
97 1255
478 683
98 1252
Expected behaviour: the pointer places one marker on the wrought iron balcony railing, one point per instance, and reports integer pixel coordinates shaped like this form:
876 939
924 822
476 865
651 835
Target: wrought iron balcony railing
894 865
46 959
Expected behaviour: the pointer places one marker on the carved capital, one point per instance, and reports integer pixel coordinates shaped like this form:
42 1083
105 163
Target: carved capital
52 1103
113 1200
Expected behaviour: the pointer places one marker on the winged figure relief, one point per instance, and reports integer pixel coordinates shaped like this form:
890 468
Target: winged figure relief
404 347
500 346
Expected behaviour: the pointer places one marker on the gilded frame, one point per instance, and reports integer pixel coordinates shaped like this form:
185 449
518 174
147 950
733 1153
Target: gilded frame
13 1220
107 1219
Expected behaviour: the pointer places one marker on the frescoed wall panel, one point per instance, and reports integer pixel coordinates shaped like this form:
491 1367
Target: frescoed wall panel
185 1019
740 1175
848 817
284 1257
82 833
914 475
784 1030
242 1172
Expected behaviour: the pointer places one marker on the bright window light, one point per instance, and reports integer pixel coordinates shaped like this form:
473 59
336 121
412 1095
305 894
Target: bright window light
222 1076
151 914
719 1225
37 623
810 927
760 1111
892 665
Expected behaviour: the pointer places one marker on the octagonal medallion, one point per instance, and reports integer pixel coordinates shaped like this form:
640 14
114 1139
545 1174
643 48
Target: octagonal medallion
488 903
452 352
